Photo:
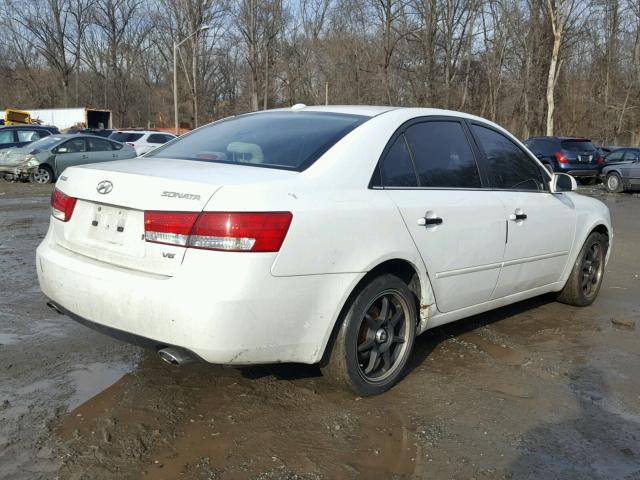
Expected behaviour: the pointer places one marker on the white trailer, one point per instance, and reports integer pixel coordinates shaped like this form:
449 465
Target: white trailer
64 118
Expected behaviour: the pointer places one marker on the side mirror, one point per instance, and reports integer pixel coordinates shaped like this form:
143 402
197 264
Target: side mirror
62 150
561 182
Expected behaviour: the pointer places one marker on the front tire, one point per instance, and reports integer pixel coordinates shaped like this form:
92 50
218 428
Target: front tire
585 279
614 183
375 338
42 174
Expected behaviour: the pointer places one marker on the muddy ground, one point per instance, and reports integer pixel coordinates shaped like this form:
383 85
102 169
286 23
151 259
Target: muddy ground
537 390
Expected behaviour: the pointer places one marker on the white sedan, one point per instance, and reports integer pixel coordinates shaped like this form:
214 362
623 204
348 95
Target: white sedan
330 235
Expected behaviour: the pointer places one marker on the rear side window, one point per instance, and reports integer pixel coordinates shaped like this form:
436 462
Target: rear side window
6 136
397 168
631 156
509 167
29 135
158 138
442 155
289 140
577 145
98 145
125 137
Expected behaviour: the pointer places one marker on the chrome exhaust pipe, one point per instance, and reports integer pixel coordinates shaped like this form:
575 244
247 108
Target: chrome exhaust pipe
175 356
55 308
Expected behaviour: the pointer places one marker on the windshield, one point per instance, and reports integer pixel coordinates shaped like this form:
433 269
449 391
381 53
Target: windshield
125 137
289 140
577 145
45 143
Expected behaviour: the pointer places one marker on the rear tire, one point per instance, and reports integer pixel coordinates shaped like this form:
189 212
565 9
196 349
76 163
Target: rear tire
614 183
369 352
42 174
585 279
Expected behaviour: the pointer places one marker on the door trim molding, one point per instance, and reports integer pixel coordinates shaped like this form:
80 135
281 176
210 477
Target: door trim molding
508 263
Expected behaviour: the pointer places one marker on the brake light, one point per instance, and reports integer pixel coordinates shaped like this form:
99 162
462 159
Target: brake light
228 231
599 159
172 228
560 157
62 205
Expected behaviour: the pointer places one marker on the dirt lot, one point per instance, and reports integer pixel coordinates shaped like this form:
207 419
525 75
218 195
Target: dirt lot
537 390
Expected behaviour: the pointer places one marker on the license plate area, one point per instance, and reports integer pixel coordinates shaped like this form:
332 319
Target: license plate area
108 224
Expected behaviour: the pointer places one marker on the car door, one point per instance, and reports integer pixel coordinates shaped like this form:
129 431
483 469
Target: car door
100 150
430 171
70 153
631 171
540 225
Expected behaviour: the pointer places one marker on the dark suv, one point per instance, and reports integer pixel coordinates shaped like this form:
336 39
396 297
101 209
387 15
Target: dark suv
573 155
15 136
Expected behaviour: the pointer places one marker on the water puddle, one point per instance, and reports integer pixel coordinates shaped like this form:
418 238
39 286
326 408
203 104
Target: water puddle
8 338
91 379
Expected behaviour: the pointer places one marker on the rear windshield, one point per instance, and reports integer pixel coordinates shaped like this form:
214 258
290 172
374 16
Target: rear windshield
289 140
125 137
577 145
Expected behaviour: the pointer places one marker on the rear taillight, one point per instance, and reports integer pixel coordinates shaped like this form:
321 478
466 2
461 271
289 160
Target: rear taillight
228 231
600 159
560 157
62 205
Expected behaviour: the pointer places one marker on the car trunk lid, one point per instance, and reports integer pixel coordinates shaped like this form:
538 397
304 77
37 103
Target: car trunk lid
107 223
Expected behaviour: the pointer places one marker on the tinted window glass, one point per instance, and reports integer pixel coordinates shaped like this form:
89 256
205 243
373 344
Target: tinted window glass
75 146
631 155
292 140
98 145
577 145
509 166
6 136
397 169
158 138
615 156
442 155
125 137
28 135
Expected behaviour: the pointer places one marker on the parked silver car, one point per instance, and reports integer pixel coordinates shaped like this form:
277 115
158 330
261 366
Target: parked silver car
44 160
622 170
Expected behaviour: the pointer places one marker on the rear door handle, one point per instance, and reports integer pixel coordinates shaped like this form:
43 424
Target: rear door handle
426 222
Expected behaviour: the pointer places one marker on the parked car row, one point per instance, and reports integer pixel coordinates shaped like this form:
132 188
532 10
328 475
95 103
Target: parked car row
617 167
40 154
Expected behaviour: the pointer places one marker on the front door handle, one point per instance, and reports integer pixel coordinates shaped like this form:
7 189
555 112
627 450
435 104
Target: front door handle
427 222
517 217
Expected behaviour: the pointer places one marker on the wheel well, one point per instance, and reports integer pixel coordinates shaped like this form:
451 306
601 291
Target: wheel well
400 268
602 230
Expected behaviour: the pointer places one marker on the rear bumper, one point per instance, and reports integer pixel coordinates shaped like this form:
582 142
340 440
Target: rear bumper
586 172
223 307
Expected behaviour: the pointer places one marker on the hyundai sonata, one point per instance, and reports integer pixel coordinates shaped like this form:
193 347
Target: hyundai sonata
330 235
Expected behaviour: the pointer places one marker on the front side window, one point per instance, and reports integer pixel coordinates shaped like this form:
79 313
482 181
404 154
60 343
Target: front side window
615 156
442 155
76 145
289 140
509 166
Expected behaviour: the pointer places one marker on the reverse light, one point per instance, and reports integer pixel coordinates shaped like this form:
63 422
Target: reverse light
227 231
62 205
560 157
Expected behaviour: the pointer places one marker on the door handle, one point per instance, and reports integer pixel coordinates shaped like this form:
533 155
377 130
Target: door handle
84 157
517 216
426 222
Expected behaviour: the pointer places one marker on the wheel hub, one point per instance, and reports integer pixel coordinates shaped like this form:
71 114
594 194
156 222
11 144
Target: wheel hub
381 336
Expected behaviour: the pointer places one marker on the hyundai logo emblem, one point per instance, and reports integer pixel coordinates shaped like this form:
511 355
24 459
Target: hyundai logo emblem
104 187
